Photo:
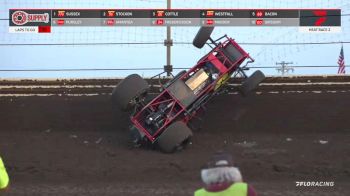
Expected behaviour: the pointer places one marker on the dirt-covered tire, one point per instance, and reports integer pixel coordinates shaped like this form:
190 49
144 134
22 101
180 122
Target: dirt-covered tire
127 90
175 137
202 36
252 82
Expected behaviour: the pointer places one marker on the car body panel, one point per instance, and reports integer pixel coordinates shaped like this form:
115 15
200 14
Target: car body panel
182 98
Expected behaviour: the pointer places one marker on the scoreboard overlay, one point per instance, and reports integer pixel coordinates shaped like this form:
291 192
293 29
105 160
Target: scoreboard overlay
44 20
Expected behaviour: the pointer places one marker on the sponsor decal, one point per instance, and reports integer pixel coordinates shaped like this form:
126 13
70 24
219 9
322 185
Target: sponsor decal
22 17
222 81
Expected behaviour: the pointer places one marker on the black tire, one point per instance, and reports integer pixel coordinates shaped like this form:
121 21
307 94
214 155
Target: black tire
175 137
202 36
252 82
127 90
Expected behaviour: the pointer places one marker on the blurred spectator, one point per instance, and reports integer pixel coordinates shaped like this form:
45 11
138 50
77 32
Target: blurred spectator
4 178
222 178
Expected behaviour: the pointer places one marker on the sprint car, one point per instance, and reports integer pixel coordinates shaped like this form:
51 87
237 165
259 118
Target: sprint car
164 120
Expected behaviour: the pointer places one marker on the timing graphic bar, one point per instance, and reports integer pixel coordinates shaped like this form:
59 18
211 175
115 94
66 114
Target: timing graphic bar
41 20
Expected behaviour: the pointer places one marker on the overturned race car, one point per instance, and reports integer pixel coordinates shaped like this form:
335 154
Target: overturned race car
164 120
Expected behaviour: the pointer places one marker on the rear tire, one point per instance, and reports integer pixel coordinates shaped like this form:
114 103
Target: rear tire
252 82
175 137
127 90
202 36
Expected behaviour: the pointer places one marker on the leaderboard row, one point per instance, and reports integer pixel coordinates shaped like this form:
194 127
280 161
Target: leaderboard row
175 22
198 17
175 13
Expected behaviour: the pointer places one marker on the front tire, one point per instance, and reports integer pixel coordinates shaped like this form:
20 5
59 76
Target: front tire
175 137
202 36
128 90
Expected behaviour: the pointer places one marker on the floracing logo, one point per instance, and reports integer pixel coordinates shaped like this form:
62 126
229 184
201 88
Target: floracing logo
21 17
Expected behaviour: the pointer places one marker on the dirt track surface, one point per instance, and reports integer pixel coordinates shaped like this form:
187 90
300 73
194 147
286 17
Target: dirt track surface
78 145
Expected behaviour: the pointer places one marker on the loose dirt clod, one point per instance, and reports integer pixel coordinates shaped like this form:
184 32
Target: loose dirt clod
323 142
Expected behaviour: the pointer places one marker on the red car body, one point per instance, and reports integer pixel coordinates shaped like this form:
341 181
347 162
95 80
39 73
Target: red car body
178 101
